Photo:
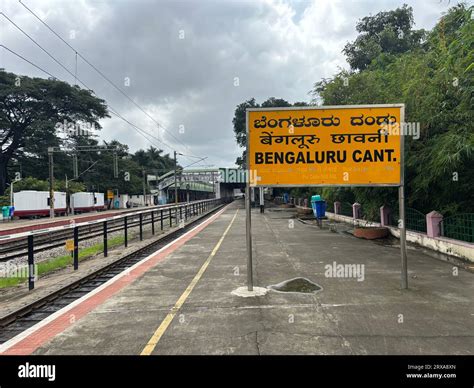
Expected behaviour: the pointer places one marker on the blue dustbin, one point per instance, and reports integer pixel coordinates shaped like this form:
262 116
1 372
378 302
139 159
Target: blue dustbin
319 206
5 212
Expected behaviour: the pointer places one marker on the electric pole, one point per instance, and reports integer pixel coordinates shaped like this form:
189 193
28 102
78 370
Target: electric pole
144 187
51 182
175 179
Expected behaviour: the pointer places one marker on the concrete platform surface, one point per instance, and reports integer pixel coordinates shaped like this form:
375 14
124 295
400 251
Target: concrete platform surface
184 304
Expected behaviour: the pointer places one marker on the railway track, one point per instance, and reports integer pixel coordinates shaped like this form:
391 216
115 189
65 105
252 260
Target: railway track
15 248
22 319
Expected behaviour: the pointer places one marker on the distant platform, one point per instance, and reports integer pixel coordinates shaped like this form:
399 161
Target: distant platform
25 225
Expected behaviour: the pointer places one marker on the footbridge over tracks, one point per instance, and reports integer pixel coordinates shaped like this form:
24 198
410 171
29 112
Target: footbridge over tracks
198 183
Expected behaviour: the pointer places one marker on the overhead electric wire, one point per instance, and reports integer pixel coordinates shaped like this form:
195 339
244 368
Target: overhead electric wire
51 75
84 84
141 131
138 129
41 47
26 60
192 156
103 75
198 161
87 169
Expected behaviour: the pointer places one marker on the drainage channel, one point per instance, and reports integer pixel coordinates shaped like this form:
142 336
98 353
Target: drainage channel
44 308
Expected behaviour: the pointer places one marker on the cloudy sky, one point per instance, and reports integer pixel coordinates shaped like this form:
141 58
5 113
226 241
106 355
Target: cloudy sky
188 63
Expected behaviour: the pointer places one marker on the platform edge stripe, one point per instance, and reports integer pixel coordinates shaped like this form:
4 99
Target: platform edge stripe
25 334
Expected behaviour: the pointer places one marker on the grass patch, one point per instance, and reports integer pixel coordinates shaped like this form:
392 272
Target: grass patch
10 282
63 261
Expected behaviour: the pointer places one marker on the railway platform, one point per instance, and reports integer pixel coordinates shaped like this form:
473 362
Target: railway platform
182 299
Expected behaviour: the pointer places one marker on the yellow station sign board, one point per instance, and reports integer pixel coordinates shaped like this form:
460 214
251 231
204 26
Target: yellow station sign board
339 146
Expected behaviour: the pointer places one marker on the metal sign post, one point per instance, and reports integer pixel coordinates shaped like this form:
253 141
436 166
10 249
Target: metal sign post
248 213
248 226
401 207
402 229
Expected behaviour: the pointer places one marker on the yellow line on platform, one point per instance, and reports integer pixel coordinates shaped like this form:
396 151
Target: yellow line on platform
150 346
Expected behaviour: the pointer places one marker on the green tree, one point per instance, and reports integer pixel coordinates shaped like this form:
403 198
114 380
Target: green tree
436 83
30 183
388 33
30 111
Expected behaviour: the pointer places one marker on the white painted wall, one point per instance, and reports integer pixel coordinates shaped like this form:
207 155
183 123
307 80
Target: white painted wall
444 245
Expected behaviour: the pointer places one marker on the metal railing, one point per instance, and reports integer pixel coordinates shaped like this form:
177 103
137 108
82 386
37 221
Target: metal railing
459 227
369 215
415 220
346 209
173 215
281 201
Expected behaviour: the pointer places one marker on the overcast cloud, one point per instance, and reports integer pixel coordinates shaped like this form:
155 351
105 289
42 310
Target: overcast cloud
274 48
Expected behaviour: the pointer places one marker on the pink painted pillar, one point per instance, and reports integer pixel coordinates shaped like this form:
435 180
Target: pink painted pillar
337 207
384 215
433 226
356 210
